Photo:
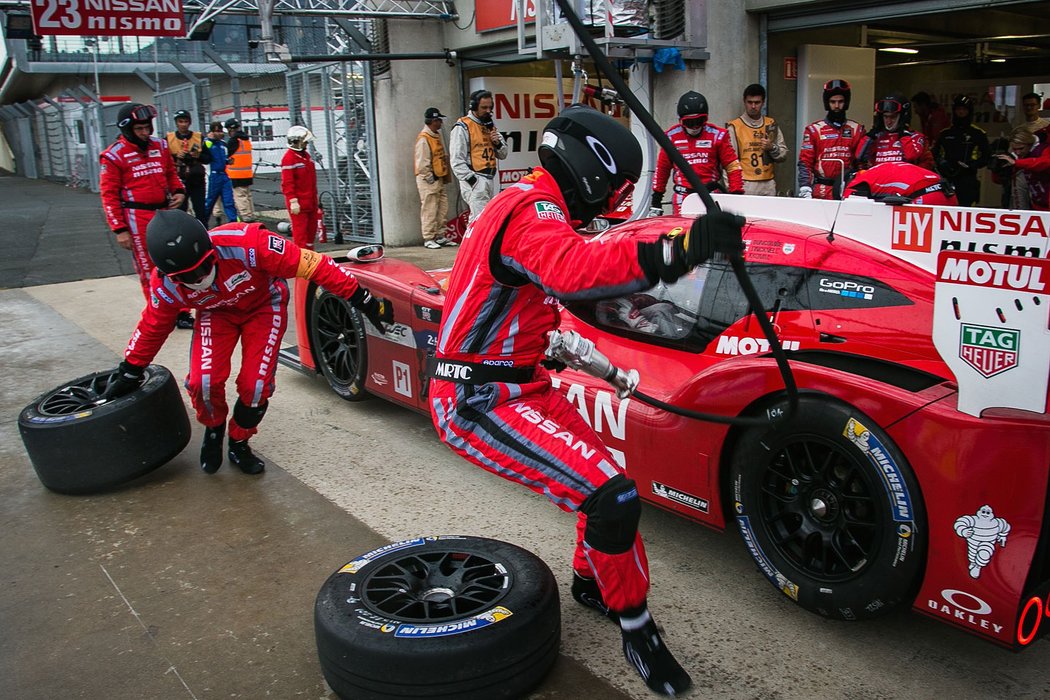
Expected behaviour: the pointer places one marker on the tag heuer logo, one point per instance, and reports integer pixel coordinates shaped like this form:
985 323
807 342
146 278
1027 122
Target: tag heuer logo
549 210
988 350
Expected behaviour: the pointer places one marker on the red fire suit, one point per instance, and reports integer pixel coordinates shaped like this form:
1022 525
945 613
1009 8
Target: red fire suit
893 147
299 181
522 429
915 183
134 183
249 300
710 153
826 154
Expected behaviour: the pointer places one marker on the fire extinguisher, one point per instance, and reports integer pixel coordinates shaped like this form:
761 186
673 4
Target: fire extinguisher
322 233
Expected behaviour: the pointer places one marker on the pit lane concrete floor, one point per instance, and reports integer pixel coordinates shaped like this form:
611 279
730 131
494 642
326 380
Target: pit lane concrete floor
179 585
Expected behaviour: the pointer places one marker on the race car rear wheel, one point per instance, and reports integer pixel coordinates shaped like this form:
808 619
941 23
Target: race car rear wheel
830 511
337 335
450 617
80 442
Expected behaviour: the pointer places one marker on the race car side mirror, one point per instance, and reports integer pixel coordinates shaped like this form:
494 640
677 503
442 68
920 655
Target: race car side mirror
366 253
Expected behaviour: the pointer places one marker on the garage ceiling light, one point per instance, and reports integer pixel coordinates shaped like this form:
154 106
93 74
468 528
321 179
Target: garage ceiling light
899 49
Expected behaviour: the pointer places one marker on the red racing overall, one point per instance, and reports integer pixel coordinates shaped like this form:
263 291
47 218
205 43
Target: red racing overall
249 301
710 153
299 181
826 155
135 183
915 183
524 430
893 147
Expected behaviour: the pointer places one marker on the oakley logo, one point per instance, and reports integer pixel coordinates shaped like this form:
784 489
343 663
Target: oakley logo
603 154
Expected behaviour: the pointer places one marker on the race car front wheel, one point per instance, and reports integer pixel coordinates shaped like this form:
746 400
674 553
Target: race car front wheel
458 618
830 511
80 442
337 334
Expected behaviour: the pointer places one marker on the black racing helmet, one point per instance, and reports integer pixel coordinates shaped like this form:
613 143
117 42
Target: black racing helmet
962 101
895 103
692 110
132 114
179 245
182 114
232 123
594 159
836 86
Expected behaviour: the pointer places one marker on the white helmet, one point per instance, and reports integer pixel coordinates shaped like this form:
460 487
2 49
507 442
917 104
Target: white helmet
298 136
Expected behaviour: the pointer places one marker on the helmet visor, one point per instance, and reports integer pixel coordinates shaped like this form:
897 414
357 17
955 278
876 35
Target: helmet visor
889 107
836 85
142 113
194 274
693 121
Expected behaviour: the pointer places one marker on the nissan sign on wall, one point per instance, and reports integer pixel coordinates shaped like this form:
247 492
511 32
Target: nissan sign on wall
108 17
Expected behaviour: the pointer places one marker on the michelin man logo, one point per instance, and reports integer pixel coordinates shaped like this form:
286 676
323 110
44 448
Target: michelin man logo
981 532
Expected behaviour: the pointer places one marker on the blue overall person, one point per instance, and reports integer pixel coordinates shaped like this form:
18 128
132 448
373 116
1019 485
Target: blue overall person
218 181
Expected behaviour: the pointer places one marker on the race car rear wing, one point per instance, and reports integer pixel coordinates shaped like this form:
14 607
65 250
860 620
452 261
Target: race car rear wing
991 321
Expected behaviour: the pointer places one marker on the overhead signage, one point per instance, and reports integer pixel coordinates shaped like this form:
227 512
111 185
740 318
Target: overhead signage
501 14
108 18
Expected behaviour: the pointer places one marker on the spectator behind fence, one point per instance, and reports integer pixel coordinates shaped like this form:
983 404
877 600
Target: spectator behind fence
1030 118
758 142
218 181
704 146
475 145
240 169
190 156
299 185
433 172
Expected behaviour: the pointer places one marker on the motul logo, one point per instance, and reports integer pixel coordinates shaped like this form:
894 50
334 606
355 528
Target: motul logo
449 370
989 350
990 271
912 229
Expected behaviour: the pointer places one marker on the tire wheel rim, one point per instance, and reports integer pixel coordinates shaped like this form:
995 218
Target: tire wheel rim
821 509
436 586
338 346
74 398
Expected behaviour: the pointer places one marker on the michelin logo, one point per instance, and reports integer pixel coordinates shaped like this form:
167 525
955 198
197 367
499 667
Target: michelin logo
686 499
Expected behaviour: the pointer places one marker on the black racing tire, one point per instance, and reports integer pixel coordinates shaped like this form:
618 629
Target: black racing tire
340 344
457 618
80 443
830 511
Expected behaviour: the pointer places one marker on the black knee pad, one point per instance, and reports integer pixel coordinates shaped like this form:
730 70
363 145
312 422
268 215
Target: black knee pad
612 514
248 417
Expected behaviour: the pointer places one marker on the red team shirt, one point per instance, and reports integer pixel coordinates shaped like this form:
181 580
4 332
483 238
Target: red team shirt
710 153
825 149
129 174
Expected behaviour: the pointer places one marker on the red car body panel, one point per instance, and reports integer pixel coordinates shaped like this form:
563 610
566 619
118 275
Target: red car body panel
960 461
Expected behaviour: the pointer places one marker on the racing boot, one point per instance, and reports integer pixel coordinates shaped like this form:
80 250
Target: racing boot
585 591
211 448
241 455
646 652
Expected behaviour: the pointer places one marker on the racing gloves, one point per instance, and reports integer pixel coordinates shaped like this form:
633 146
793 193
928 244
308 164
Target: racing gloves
127 379
656 204
672 256
293 206
378 311
805 192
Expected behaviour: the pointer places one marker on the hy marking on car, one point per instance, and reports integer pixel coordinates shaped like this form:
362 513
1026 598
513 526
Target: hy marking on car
982 531
914 228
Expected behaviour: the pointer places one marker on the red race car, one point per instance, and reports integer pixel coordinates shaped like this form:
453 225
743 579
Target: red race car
915 469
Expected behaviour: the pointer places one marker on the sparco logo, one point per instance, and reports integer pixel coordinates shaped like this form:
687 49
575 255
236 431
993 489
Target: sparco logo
448 370
988 350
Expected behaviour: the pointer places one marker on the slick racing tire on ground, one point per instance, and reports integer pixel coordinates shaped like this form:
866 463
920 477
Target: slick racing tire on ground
79 442
830 511
340 344
458 618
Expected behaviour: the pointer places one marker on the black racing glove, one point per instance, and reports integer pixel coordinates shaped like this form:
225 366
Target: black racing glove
670 257
125 380
378 311
657 200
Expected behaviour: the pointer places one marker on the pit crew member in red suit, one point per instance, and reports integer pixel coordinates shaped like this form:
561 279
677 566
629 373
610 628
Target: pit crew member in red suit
903 183
491 400
826 158
137 178
299 184
705 146
235 277
890 140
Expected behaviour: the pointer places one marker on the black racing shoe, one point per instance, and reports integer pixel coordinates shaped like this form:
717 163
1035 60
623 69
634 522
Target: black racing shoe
241 455
585 591
655 664
184 320
211 449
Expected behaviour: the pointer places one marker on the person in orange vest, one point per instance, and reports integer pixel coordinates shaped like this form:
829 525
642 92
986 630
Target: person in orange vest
758 142
299 184
475 145
433 172
239 169
190 156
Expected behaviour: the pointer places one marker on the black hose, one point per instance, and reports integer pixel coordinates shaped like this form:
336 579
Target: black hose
697 185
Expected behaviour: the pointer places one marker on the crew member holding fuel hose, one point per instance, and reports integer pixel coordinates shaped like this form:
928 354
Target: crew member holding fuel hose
491 400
